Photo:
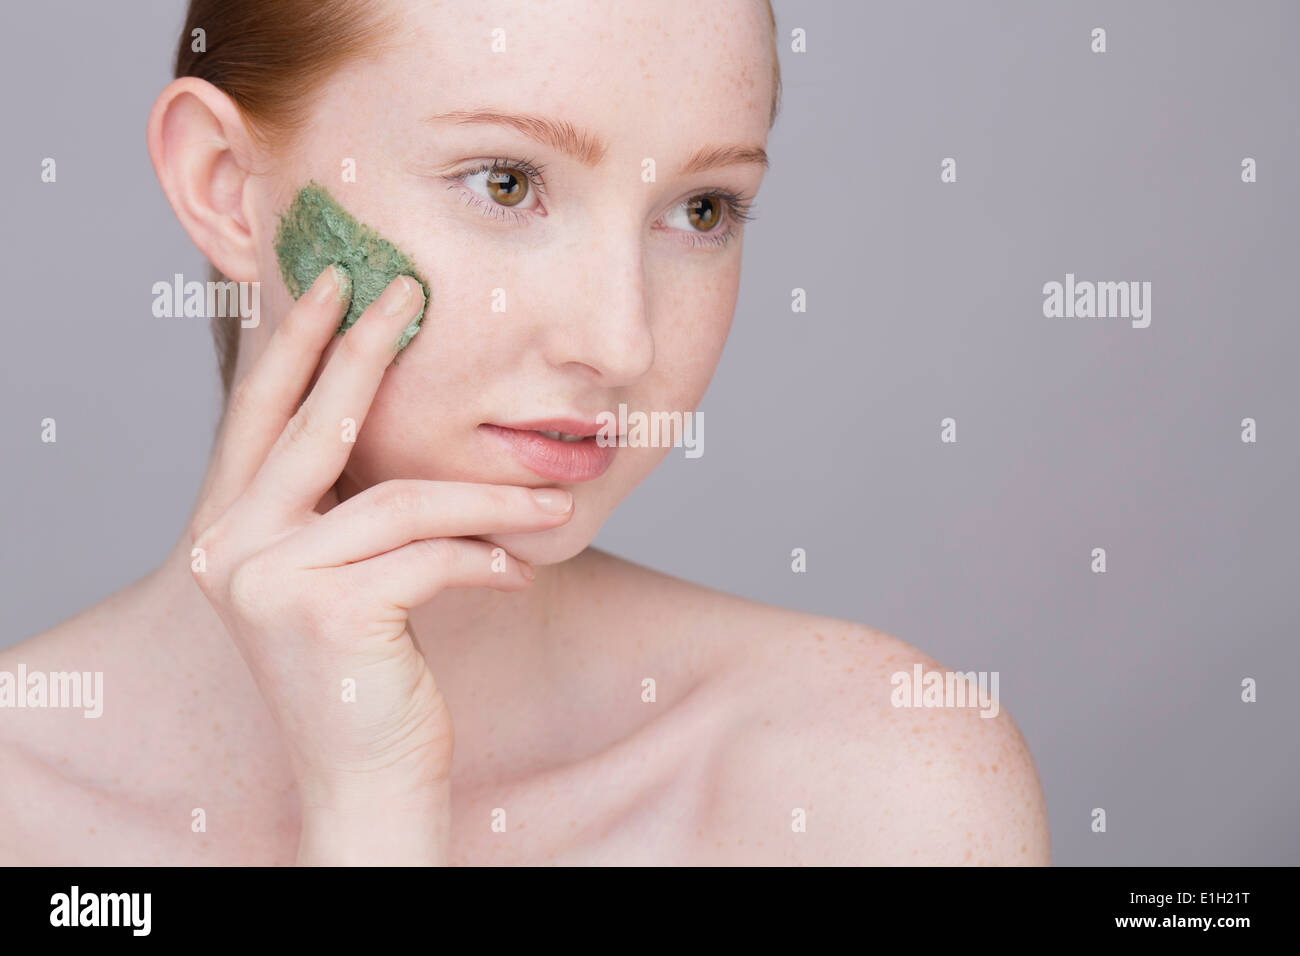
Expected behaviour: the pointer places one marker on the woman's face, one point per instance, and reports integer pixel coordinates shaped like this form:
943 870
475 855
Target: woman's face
559 297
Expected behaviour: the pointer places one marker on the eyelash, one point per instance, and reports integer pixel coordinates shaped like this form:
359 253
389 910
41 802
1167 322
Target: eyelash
739 208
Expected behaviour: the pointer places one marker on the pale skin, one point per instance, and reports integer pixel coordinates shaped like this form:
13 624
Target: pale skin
483 690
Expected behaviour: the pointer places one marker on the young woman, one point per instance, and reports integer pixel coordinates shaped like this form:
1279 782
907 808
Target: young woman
383 637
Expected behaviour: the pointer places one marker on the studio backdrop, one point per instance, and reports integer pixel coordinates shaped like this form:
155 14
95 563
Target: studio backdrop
1015 353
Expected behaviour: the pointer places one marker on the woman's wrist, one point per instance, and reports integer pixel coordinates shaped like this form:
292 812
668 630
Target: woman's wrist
374 825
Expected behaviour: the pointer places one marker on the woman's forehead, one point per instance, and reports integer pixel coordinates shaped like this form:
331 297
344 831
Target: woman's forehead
677 59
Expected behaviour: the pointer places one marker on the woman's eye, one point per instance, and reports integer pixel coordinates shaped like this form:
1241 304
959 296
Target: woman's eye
697 214
502 188
709 218
507 186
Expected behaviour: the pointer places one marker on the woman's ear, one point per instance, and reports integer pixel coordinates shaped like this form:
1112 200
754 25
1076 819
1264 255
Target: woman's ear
202 153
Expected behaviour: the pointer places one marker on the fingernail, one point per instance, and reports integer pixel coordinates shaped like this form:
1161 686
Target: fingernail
398 296
554 501
343 279
333 285
326 285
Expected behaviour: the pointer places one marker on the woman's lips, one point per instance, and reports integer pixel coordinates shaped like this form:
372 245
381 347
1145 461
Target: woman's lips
552 458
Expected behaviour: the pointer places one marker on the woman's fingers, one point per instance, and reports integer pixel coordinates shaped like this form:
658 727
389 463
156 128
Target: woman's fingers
311 451
263 401
398 512
417 572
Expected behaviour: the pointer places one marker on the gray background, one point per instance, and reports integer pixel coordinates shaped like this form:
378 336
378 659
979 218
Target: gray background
924 300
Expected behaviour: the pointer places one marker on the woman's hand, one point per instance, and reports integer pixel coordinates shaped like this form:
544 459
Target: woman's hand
317 603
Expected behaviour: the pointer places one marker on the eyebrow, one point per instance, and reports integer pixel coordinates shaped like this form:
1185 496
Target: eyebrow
589 149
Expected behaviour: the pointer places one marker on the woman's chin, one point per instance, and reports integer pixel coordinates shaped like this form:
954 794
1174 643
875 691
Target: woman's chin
543 547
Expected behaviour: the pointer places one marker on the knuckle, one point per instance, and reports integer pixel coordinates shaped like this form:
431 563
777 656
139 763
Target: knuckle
249 587
205 548
301 427
401 498
440 551
508 499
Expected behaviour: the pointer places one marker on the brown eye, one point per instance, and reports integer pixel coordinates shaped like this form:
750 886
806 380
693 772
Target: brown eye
704 212
507 185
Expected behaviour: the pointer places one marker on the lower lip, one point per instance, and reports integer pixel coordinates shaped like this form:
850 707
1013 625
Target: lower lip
554 459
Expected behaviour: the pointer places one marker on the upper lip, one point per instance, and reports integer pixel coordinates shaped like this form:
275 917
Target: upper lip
584 426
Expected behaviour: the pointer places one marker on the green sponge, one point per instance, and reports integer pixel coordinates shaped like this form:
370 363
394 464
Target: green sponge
316 231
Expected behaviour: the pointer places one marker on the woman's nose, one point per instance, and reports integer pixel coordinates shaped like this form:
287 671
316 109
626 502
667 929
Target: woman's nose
600 314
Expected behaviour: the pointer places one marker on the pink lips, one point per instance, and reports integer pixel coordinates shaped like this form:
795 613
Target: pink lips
551 458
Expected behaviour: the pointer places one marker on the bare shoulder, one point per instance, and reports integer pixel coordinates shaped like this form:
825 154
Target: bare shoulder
841 744
51 699
79 728
874 760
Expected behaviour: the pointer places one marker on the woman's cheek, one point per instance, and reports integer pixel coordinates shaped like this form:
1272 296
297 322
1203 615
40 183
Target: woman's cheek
689 343
409 431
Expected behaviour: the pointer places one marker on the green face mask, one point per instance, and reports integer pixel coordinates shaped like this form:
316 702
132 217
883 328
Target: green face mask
316 231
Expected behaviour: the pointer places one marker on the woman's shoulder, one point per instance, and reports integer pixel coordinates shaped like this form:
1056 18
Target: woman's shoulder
844 743
35 682
71 697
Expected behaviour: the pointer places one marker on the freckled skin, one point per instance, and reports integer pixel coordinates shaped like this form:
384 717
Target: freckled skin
759 713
